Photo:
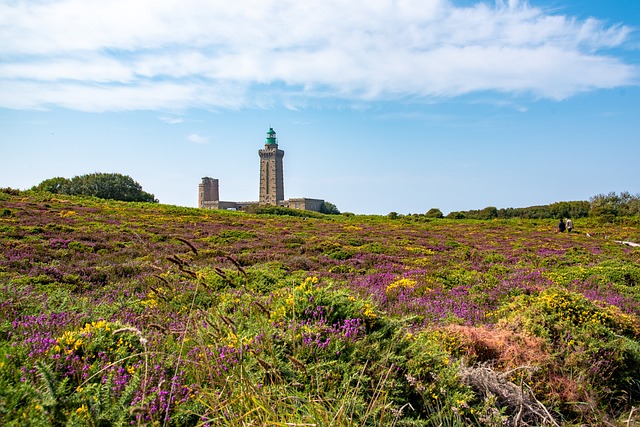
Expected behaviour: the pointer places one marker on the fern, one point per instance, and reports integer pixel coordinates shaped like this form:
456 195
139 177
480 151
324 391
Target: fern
54 394
104 398
124 402
105 409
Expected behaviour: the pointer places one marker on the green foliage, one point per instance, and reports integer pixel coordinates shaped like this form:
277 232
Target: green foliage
18 399
112 186
457 277
268 278
230 236
576 209
489 212
606 273
433 379
350 320
434 213
337 305
282 211
316 355
10 191
68 386
579 209
596 345
608 206
456 215
329 208
552 310
58 185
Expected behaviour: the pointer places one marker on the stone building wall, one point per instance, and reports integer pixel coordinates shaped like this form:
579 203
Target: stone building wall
304 203
219 204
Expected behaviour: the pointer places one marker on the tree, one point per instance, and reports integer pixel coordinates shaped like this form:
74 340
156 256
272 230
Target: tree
490 212
112 186
604 204
56 185
576 209
456 215
434 213
612 204
329 208
630 204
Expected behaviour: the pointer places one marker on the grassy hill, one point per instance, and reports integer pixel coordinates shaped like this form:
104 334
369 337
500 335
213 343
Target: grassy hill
118 313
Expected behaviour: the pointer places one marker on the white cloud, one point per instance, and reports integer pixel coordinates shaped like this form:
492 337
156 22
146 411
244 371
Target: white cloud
197 139
172 120
177 54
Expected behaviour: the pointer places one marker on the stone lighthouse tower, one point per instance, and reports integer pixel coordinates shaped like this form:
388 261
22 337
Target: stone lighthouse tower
271 176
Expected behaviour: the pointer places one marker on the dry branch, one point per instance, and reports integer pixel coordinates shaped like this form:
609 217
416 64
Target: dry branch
523 408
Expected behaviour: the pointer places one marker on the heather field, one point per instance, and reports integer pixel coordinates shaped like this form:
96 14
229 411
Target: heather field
117 313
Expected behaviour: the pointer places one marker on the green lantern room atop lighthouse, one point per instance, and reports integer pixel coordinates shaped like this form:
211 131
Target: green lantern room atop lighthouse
271 137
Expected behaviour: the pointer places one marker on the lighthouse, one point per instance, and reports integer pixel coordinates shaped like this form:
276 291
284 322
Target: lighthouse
271 174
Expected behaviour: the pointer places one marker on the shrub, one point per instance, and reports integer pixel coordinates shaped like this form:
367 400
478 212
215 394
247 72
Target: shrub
595 348
434 213
10 191
280 210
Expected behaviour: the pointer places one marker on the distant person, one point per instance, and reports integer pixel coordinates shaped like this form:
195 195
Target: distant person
569 225
561 226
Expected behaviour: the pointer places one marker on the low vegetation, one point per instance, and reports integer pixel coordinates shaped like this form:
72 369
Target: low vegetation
119 313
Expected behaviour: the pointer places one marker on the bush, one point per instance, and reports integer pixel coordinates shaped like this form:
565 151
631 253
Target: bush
434 213
596 355
456 215
10 191
280 210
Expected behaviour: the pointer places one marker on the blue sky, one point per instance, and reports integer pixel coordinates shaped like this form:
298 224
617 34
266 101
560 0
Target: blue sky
379 105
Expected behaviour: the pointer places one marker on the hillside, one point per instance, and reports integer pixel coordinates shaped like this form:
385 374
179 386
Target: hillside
119 313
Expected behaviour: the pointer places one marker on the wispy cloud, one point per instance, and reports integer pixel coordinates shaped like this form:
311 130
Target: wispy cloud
172 120
197 139
177 54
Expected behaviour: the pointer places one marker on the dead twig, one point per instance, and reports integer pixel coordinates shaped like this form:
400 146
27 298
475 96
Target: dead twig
633 408
521 402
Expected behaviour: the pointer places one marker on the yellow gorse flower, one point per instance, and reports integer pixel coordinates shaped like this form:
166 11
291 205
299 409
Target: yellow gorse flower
578 310
420 250
368 311
399 285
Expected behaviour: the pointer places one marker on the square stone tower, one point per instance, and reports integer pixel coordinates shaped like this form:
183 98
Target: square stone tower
271 175
208 191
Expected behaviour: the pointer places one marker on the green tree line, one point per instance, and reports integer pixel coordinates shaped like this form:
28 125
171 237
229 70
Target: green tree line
606 206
